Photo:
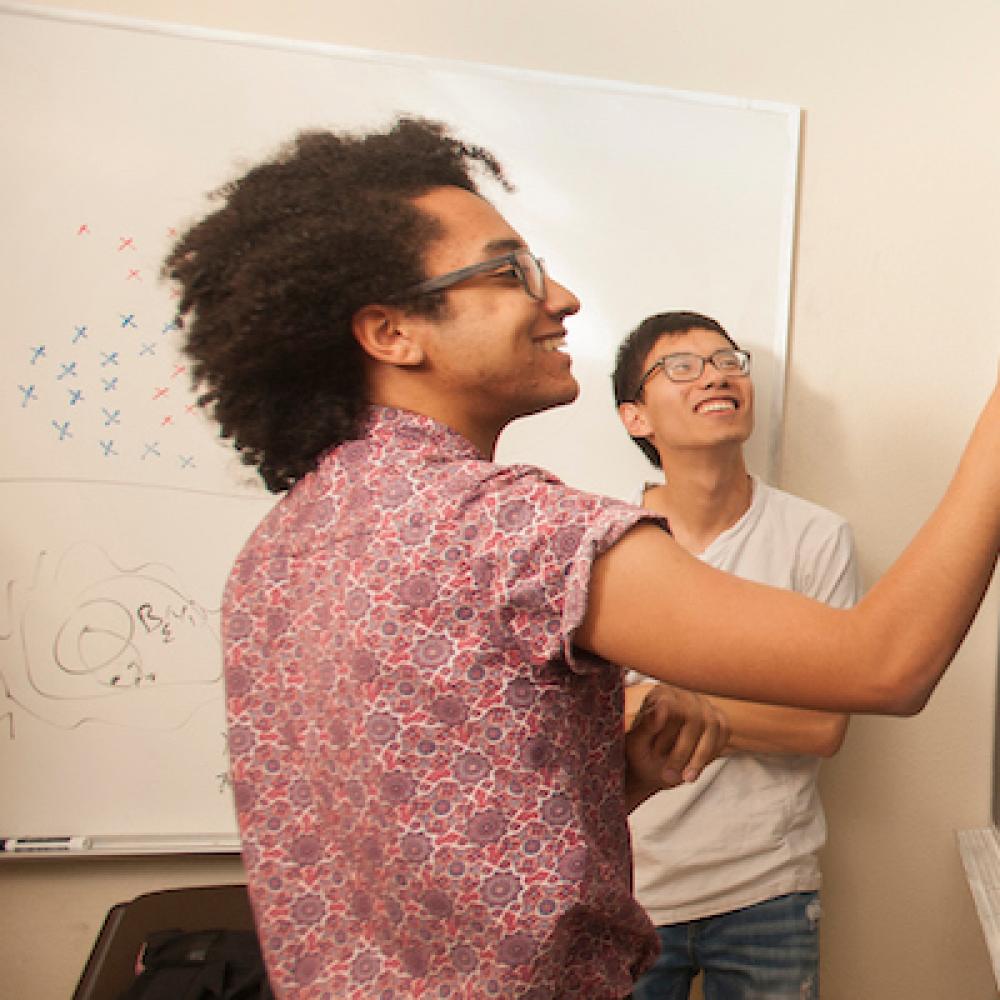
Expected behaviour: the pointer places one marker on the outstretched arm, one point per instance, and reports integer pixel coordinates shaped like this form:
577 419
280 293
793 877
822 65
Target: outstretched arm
884 655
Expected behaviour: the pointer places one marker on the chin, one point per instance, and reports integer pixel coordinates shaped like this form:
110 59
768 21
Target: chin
569 395
562 396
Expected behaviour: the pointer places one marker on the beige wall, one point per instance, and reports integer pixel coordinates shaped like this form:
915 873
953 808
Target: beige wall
894 343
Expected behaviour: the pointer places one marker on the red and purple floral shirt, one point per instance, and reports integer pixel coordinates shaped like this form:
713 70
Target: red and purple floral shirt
428 775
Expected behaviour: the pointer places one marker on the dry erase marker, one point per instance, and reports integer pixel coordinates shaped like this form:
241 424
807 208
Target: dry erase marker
38 845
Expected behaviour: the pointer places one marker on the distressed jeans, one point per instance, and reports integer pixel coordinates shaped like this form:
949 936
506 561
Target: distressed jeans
769 951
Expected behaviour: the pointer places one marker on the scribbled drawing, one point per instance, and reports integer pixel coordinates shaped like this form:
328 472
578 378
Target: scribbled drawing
126 243
97 642
108 448
62 429
128 320
67 369
79 333
134 274
94 642
75 396
147 350
28 394
37 352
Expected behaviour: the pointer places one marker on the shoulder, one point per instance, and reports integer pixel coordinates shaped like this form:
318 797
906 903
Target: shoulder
528 498
795 513
818 544
532 484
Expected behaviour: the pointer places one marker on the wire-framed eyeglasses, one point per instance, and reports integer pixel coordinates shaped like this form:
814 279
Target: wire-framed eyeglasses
685 366
523 265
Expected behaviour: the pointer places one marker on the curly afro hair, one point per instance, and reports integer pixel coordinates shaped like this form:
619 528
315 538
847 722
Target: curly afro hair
269 282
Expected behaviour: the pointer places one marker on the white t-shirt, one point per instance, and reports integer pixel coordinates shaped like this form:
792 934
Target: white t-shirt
750 827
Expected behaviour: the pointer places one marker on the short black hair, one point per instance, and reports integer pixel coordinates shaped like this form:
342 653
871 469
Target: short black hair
635 348
270 281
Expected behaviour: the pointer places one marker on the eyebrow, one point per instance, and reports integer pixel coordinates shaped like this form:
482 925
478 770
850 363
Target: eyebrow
495 248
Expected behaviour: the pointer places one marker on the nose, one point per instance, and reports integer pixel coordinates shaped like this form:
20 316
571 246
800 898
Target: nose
711 376
715 379
559 300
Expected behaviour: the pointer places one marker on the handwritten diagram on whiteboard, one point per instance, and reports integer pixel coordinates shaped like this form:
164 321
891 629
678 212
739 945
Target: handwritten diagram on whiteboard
119 495
122 507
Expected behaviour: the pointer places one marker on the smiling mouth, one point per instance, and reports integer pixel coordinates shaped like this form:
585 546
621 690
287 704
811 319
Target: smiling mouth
552 344
717 406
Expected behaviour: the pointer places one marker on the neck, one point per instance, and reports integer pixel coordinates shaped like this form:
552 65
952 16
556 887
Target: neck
705 494
409 395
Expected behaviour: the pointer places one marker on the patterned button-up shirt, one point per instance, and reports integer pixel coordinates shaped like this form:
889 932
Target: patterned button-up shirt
428 775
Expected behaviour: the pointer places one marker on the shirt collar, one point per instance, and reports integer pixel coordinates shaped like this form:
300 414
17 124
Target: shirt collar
406 428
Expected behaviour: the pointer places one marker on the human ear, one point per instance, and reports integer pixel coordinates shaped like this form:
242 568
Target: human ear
385 334
634 419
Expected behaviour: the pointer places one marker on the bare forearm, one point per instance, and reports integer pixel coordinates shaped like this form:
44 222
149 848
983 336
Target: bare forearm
923 606
758 728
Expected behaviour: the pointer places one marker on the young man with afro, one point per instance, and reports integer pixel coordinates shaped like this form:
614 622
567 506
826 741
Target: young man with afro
425 712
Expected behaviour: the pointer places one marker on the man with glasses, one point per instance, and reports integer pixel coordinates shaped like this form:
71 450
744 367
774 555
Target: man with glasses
727 867
430 768
431 783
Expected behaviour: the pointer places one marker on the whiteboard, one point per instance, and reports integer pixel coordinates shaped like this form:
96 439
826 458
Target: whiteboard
122 511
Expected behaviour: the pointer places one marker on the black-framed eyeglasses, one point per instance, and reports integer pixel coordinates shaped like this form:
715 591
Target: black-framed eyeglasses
685 366
528 269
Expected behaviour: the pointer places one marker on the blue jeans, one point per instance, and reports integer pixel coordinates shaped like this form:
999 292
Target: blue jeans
769 951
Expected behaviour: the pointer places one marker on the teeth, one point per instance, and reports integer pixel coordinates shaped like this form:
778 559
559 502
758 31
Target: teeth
553 343
717 406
